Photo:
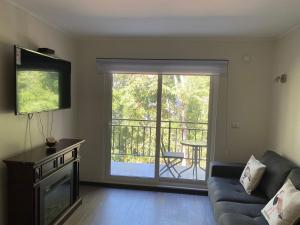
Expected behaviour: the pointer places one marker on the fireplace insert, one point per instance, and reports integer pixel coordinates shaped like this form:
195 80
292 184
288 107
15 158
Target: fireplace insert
56 195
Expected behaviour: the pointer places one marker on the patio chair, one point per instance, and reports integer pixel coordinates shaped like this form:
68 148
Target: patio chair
171 159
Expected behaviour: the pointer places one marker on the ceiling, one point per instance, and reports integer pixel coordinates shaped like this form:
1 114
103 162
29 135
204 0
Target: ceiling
206 18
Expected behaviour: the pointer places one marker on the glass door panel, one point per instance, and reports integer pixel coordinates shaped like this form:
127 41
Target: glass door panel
183 102
184 127
133 128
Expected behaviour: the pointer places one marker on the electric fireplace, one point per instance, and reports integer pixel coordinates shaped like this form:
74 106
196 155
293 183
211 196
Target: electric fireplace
56 195
43 188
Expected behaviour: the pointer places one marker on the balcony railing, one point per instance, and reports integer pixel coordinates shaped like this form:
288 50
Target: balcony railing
134 140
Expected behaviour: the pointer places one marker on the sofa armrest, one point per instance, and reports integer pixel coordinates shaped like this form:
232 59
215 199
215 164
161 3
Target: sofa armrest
226 170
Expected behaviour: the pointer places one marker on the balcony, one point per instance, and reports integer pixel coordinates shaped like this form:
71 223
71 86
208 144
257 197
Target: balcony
133 144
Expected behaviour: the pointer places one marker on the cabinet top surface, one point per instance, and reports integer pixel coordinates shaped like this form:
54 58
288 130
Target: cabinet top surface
40 154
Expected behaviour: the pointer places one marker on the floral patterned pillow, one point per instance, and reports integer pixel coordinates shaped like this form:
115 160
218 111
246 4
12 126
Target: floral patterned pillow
252 174
284 207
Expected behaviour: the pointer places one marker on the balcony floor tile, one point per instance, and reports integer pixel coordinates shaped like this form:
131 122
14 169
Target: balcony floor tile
146 170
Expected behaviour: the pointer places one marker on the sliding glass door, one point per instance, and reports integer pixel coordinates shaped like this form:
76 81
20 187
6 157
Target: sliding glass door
184 127
171 147
133 128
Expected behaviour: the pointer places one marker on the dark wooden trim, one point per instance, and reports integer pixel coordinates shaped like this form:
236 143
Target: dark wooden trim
68 213
149 188
55 172
39 155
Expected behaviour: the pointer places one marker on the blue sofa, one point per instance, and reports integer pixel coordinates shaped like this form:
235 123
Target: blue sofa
232 205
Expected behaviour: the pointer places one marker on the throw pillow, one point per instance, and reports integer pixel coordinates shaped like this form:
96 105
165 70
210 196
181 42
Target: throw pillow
252 174
284 207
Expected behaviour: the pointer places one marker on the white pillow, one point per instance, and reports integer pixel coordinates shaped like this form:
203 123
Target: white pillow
252 174
284 207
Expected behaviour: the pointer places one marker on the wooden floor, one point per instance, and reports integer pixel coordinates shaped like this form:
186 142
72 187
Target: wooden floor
108 206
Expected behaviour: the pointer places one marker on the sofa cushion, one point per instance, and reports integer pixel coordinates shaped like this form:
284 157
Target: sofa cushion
226 170
226 189
250 210
276 173
284 207
294 176
252 174
240 219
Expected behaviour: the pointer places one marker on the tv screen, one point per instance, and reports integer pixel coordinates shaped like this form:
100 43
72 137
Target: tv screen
42 82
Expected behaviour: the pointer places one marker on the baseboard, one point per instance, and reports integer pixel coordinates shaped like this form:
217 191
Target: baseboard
168 189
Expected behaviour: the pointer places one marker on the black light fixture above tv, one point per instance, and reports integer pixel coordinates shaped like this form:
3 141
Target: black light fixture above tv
43 82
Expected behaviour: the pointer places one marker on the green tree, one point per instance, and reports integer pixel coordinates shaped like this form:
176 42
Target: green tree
185 102
37 90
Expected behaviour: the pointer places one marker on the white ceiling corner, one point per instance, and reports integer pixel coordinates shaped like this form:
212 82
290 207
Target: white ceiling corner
214 18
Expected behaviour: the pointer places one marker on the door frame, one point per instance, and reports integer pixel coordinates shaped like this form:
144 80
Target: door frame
157 180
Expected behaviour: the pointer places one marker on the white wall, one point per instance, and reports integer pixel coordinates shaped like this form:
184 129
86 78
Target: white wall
285 112
248 100
249 89
18 27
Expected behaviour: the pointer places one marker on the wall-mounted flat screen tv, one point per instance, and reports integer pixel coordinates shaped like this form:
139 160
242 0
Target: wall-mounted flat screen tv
43 82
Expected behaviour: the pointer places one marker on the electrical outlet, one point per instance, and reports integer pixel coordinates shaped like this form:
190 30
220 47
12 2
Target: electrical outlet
235 125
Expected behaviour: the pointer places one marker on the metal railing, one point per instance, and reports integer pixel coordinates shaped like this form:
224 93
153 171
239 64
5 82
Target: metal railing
133 140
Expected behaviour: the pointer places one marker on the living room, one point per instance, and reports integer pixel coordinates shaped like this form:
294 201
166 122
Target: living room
250 52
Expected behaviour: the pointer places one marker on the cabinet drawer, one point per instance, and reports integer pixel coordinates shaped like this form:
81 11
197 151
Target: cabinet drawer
49 167
69 156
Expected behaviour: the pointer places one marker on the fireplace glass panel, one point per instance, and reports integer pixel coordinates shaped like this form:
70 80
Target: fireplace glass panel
57 198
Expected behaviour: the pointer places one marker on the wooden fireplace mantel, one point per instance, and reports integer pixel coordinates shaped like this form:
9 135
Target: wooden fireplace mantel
28 172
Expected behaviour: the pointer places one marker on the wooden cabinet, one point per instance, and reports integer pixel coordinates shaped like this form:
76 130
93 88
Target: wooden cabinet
38 180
